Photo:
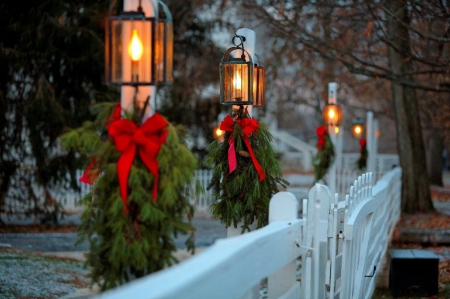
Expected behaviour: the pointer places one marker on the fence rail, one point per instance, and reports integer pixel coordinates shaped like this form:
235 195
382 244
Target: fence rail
338 245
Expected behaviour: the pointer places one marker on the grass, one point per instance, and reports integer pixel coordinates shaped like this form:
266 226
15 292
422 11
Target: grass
26 275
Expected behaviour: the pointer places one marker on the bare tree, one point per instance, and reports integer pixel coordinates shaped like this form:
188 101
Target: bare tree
399 42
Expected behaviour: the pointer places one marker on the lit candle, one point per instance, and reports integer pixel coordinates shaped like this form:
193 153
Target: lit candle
331 114
237 81
135 49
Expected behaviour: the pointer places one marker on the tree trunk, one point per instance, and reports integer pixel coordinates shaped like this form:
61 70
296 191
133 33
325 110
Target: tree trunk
415 181
435 161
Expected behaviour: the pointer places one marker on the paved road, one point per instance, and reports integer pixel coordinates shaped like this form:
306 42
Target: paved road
208 230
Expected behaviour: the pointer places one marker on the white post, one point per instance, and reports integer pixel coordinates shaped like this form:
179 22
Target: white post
150 9
370 138
283 207
249 46
332 176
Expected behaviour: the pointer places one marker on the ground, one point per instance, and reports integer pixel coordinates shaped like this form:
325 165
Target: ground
438 220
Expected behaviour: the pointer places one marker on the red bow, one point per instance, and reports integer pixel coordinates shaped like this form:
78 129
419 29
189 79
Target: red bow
362 143
147 139
321 132
248 126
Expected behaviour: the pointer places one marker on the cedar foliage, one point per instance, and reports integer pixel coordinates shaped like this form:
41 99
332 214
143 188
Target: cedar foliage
239 197
127 246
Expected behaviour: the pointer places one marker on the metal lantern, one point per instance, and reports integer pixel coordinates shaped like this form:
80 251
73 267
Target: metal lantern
236 77
258 83
358 128
332 115
139 49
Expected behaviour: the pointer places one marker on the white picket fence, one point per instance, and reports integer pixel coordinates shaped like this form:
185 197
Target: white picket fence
334 251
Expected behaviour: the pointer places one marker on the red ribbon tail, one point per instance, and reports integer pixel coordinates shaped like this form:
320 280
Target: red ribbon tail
85 179
152 165
231 156
123 170
88 176
258 167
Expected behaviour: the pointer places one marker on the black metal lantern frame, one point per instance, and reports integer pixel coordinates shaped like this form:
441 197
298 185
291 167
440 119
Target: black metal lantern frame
241 79
139 50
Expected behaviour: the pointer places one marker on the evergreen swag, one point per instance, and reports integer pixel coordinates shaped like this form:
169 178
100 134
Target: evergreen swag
361 164
132 240
325 154
241 197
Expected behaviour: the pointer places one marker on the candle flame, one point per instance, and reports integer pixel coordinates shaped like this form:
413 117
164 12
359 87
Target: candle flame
135 48
237 81
331 114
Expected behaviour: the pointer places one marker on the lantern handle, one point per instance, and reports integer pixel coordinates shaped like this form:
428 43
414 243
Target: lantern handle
239 45
241 39
225 56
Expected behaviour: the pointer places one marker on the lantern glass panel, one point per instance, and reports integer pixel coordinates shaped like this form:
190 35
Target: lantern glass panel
258 86
159 52
169 52
164 52
236 83
129 51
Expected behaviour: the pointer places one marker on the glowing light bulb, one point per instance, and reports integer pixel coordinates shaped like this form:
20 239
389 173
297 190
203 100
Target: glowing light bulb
135 48
336 130
358 130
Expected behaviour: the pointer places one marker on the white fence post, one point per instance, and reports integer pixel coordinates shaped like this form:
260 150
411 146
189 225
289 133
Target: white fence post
283 207
315 261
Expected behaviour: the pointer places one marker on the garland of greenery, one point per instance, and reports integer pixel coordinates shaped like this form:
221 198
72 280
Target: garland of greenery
325 154
361 164
129 239
242 195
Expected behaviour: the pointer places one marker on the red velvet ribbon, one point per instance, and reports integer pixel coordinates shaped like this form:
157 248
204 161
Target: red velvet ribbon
88 176
321 132
362 143
248 125
227 125
146 140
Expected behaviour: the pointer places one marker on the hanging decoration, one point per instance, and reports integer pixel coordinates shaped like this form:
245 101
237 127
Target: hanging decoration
325 154
139 200
361 164
141 171
246 172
